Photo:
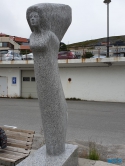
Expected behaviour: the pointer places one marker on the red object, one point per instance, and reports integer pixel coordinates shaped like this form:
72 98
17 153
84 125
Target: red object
66 55
20 39
25 47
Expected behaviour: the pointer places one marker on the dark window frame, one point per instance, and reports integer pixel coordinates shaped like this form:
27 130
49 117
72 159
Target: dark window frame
26 79
5 44
33 79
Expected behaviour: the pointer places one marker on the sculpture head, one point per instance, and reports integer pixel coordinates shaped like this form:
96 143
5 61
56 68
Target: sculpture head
34 19
50 17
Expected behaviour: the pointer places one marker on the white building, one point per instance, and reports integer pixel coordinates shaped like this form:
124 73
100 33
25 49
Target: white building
85 79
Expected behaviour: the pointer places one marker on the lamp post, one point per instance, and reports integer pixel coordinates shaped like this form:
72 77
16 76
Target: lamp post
107 1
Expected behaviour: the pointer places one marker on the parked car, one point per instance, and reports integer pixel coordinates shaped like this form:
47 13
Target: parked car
98 56
2 54
78 55
66 55
11 56
27 57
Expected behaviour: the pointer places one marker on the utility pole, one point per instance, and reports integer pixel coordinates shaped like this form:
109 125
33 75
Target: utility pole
107 2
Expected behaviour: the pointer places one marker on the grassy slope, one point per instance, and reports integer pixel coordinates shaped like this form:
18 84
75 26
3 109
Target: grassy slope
112 39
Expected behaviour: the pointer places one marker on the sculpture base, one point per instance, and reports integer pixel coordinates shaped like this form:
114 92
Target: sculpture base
40 158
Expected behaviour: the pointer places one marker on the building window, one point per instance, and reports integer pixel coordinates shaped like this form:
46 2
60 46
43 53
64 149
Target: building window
5 44
26 78
32 78
11 46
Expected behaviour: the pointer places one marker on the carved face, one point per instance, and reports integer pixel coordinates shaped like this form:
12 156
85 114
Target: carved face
34 19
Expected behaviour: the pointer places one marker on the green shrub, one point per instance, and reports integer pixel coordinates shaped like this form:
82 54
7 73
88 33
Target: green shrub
88 55
63 47
93 152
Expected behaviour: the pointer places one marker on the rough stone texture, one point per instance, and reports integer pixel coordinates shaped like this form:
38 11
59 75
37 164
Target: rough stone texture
41 158
48 23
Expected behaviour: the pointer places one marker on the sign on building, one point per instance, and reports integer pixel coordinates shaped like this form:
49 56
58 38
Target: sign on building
13 80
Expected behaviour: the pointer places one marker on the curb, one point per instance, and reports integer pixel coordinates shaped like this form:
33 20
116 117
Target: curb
87 162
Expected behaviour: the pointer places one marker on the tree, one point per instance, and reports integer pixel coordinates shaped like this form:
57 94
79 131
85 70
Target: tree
23 52
88 55
63 47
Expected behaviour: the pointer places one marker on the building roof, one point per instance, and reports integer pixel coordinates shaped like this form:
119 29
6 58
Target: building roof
25 47
3 34
20 39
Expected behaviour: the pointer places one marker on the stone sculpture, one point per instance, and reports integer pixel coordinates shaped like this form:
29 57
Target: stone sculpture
48 23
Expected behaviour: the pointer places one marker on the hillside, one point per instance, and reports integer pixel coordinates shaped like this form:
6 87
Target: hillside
112 39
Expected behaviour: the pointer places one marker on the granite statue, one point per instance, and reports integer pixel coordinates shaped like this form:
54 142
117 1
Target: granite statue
48 23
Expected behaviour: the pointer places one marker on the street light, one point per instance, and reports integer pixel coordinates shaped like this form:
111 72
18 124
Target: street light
107 1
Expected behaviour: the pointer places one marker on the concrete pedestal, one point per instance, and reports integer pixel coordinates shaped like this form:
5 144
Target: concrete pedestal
40 158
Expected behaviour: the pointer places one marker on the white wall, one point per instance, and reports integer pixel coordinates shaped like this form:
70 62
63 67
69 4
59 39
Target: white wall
87 83
94 83
13 89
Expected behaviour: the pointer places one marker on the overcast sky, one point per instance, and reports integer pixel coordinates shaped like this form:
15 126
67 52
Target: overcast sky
89 18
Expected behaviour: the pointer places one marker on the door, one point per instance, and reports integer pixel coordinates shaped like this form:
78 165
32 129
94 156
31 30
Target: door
3 87
28 84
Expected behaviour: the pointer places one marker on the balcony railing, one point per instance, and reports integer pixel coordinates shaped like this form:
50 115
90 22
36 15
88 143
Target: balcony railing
10 55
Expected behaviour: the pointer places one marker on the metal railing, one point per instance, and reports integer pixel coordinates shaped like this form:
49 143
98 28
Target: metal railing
102 52
16 54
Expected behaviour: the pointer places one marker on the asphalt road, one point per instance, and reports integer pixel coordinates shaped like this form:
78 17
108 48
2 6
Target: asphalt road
102 122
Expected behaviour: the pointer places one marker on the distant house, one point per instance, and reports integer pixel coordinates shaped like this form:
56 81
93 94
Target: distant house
119 43
15 43
104 43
